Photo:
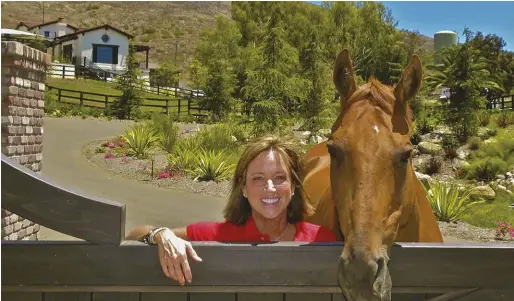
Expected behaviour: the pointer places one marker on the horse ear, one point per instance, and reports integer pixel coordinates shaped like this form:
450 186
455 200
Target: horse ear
410 82
404 91
344 76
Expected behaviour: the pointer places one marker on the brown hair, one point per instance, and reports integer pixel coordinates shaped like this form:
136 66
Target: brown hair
238 208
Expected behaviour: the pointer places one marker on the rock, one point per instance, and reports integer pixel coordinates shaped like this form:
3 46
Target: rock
316 139
504 188
486 192
490 140
462 153
305 134
500 177
325 132
429 148
460 164
234 139
423 178
508 174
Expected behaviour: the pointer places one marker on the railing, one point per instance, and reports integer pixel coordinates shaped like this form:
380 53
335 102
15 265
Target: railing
503 103
166 105
105 267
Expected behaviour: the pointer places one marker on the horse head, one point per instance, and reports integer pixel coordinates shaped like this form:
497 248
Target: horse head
370 173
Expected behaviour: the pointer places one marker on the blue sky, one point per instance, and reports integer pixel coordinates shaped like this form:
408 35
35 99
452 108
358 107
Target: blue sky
429 17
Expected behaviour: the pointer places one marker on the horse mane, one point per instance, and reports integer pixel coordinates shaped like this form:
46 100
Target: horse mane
377 94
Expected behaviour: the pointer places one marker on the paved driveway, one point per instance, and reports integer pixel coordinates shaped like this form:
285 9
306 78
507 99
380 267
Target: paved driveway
64 165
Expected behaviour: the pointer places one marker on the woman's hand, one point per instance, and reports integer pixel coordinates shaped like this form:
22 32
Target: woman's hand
173 253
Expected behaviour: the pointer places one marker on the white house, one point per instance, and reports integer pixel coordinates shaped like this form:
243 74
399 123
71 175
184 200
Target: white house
50 29
103 47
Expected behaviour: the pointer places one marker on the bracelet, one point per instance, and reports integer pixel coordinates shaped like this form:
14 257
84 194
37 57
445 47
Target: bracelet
150 236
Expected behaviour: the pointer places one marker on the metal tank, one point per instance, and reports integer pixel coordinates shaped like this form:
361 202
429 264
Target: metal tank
444 38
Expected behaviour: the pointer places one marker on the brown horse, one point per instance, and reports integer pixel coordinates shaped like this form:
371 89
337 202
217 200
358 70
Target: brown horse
362 183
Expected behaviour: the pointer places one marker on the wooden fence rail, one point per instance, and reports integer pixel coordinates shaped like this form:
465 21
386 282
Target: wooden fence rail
104 267
179 105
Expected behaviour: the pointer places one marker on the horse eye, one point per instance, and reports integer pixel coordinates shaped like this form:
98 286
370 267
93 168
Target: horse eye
405 156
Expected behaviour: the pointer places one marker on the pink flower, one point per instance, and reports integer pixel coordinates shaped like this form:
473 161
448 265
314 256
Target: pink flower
109 156
111 145
163 175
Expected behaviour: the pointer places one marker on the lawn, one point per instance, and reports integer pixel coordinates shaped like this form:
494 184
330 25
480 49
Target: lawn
152 102
488 214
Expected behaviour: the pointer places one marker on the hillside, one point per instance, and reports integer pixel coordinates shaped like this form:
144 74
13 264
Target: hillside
157 24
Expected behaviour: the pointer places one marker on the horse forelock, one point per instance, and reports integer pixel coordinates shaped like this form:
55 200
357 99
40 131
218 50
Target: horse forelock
376 94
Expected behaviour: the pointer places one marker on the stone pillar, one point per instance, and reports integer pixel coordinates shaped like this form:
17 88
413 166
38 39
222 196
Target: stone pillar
23 78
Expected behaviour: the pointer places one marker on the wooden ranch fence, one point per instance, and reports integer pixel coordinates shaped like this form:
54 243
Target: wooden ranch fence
106 267
179 105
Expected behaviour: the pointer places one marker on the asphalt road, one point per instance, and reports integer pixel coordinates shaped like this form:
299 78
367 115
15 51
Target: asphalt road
64 165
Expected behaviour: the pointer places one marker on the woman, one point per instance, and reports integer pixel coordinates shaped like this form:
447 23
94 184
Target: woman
267 203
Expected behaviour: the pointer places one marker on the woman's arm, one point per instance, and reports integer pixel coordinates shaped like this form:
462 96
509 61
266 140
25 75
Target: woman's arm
140 231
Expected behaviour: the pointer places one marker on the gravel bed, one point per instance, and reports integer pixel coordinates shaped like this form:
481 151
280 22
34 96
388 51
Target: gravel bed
465 231
140 170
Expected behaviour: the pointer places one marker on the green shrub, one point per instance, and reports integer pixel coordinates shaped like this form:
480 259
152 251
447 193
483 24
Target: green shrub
491 132
424 126
486 168
433 165
218 137
415 139
483 117
447 201
183 156
167 131
140 138
210 165
504 119
474 143
450 146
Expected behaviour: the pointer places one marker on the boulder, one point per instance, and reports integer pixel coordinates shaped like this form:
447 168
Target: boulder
485 192
423 178
325 132
316 139
429 148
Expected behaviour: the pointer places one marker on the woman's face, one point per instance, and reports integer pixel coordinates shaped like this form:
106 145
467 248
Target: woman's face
268 185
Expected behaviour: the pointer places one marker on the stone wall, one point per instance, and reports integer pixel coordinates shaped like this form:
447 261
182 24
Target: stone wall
23 77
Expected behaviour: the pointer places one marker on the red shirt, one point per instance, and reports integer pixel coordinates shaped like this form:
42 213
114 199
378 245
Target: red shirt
228 232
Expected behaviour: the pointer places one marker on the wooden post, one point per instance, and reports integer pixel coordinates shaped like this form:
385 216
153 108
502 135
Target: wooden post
189 107
503 103
106 101
158 90
63 71
179 105
167 110
81 98
59 95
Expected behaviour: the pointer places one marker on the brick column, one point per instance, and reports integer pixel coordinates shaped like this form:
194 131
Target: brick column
23 77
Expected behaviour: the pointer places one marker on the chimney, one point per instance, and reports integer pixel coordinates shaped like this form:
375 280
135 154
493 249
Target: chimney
60 20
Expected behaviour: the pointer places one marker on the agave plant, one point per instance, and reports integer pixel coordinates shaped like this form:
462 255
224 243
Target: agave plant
210 165
448 201
140 138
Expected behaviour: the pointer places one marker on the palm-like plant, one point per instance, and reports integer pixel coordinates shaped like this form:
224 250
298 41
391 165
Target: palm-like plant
140 138
448 202
210 165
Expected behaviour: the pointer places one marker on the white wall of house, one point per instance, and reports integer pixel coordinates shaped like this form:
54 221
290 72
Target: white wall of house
57 28
86 41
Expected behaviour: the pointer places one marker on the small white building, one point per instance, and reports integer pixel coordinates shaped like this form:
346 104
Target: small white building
103 47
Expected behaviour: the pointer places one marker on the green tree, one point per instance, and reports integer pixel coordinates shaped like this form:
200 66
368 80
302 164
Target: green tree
129 83
168 74
464 72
